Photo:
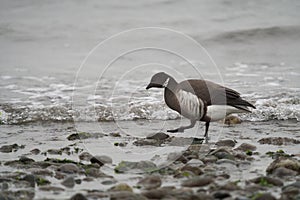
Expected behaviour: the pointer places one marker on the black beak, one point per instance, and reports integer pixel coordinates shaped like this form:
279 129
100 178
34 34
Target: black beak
149 86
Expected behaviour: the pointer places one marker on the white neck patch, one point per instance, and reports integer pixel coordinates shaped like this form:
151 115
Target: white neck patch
166 82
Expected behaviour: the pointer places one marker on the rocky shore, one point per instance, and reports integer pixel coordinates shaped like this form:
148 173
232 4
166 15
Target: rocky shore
223 170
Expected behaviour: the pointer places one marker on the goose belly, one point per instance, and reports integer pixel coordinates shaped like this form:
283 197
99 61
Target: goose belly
218 112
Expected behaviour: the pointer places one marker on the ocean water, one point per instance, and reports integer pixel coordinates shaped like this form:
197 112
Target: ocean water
62 61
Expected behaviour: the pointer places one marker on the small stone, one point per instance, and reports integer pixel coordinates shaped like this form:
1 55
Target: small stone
221 195
265 181
288 163
51 188
54 151
197 182
26 160
195 163
69 168
30 179
284 172
109 182
115 134
194 170
158 136
147 142
227 143
209 159
121 187
79 136
278 141
101 160
246 147
10 148
86 156
35 151
126 195
229 120
69 182
264 196
150 182
78 196
142 166
225 161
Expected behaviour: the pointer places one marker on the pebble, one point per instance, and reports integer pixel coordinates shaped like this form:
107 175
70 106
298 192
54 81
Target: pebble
195 163
125 195
288 163
225 161
30 179
115 134
227 143
51 188
158 136
278 141
177 156
26 160
35 151
150 182
142 166
78 196
147 142
197 182
221 194
264 196
10 148
101 160
69 182
229 120
194 170
282 172
86 156
121 187
246 147
267 180
69 168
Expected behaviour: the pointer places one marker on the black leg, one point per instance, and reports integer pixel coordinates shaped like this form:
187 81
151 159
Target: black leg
206 131
182 128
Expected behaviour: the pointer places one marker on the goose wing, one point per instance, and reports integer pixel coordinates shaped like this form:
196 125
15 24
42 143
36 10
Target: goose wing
214 94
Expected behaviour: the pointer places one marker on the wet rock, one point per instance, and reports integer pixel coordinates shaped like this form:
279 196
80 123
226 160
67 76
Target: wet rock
221 194
69 168
222 153
291 191
225 161
26 160
135 167
79 136
209 159
197 182
203 196
51 188
109 182
121 187
35 151
229 186
246 147
147 142
194 170
16 194
101 160
4 186
229 120
69 182
263 196
150 182
278 141
158 136
125 195
195 163
86 156
159 193
180 141
121 144
78 196
267 181
96 173
54 151
95 160
41 181
282 172
115 134
10 148
30 179
227 143
288 163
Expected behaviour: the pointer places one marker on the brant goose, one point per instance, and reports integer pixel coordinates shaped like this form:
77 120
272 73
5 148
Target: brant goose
199 100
